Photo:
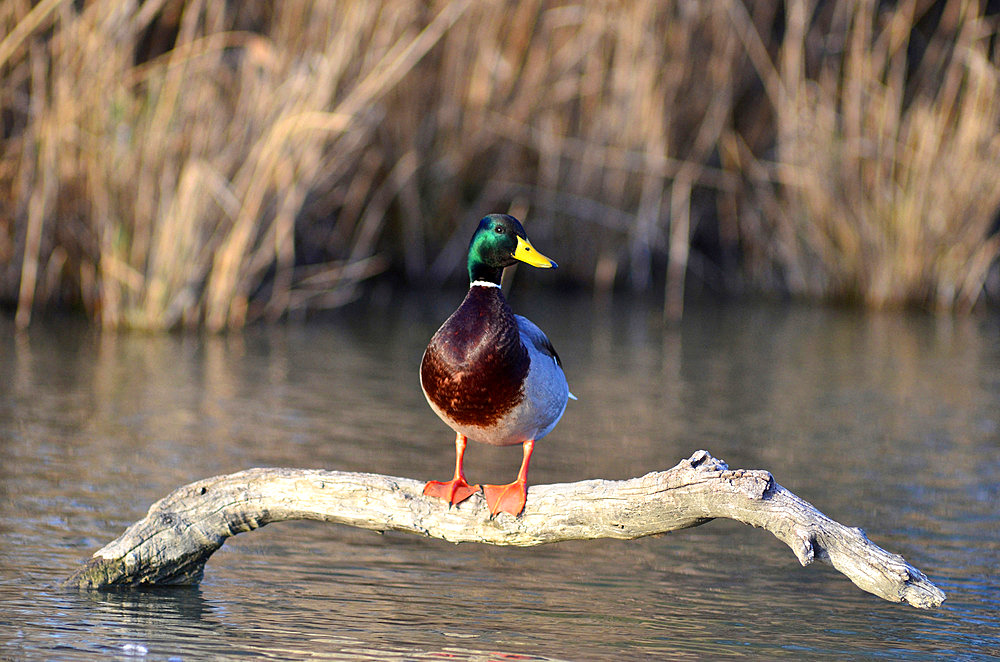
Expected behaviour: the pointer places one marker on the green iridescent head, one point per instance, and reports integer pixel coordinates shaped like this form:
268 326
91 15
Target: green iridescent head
499 242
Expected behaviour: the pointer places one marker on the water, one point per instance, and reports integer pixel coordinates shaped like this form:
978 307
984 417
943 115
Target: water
888 422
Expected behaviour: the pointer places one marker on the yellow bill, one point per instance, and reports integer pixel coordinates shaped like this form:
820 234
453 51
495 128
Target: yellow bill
526 253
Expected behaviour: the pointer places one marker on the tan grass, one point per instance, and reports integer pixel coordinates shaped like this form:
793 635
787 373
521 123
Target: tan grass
185 162
191 169
888 171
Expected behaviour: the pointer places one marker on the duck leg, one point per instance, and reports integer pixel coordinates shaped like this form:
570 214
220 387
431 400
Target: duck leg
456 490
510 498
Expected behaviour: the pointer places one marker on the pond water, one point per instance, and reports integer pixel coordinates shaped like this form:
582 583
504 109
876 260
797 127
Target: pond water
889 422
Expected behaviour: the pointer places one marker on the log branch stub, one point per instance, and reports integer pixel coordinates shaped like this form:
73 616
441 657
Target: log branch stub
181 531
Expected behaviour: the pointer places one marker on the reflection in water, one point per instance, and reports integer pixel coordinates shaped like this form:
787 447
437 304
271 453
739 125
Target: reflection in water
883 421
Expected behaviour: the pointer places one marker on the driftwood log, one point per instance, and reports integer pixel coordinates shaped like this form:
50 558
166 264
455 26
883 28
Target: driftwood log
173 542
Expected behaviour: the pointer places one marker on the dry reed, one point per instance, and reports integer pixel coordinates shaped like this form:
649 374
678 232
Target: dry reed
887 153
182 162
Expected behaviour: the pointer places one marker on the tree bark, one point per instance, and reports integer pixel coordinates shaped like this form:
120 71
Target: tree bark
173 542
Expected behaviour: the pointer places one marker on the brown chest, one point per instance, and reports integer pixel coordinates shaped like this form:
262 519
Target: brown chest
475 365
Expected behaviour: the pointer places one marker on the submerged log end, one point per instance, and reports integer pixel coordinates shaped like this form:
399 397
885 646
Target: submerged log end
169 546
97 573
103 573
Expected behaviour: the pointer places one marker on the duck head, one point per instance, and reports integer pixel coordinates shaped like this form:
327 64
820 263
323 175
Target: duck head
499 242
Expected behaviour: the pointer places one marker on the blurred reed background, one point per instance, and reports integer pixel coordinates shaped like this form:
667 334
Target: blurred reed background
177 163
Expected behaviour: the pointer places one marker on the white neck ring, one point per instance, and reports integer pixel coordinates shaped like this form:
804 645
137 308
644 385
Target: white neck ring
483 283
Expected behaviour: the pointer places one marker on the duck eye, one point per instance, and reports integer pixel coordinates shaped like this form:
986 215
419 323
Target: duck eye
499 229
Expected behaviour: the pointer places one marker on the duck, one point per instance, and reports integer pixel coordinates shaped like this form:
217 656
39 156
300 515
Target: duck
490 375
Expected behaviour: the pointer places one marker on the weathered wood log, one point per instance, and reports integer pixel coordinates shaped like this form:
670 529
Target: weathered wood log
173 542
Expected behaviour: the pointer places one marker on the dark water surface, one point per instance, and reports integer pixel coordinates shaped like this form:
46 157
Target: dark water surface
888 422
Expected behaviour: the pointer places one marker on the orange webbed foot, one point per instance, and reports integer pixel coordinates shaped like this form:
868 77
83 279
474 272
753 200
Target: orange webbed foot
453 491
506 498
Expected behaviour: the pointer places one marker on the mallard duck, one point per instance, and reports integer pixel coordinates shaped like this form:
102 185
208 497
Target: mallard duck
493 376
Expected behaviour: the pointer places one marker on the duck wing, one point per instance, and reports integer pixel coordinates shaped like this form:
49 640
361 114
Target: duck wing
535 341
533 337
